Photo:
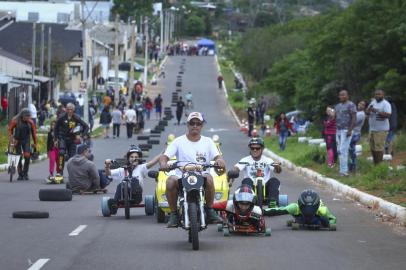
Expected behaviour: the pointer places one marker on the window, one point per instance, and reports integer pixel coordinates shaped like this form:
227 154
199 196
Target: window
33 16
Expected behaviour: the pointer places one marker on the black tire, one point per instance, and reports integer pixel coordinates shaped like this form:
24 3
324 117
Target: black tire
145 147
55 195
153 141
30 214
142 137
160 215
155 136
126 196
260 194
194 225
155 132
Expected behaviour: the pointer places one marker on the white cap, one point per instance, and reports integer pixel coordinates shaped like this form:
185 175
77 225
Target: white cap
195 115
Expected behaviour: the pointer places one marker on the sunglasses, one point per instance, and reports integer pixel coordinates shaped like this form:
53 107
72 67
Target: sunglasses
195 123
255 148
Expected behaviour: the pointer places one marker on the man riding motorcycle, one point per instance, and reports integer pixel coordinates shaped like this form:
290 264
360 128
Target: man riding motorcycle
255 160
309 210
68 129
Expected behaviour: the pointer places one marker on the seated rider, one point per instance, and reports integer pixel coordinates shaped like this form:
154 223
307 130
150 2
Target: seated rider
309 210
241 209
83 173
255 160
136 169
67 131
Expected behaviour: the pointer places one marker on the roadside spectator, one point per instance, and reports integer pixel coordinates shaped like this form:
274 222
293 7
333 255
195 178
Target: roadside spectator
393 124
107 101
148 107
139 110
220 80
117 116
158 106
379 112
251 117
83 173
345 120
356 134
283 127
329 134
130 117
105 120
92 113
80 101
52 151
60 111
33 110
179 109
4 107
42 116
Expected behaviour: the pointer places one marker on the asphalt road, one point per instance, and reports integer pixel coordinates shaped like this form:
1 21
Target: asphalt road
360 242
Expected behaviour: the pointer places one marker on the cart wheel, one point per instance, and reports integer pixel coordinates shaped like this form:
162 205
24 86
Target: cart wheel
332 227
295 226
289 222
226 232
268 232
219 227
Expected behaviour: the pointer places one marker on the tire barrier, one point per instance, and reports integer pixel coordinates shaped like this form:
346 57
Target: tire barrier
30 214
55 195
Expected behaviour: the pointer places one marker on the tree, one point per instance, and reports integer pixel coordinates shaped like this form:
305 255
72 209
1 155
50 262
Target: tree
195 26
132 8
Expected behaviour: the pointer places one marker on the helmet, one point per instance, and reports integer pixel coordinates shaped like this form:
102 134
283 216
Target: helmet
256 140
244 194
171 137
134 149
216 138
309 202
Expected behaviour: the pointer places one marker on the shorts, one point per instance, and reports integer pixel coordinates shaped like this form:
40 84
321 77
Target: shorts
158 109
377 140
105 125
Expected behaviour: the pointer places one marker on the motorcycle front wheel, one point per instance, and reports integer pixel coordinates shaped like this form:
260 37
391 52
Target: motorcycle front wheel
194 226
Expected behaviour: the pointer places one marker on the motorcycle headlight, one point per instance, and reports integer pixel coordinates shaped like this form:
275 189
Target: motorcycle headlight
218 195
163 197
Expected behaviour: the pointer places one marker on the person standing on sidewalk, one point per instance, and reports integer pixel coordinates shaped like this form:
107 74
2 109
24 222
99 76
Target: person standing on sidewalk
393 124
356 134
116 116
130 117
329 133
105 120
220 80
251 117
345 120
158 106
379 112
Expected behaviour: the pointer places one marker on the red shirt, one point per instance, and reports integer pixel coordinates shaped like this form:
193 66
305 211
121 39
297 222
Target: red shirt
330 126
4 103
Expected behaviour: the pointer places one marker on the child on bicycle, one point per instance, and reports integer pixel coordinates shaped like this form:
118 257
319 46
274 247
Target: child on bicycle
134 168
255 160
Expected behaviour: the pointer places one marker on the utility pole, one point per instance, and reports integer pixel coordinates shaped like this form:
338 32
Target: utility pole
49 63
41 68
33 48
133 49
146 53
161 40
116 90
84 64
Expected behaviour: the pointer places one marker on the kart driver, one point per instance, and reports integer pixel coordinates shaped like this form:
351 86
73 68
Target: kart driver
242 207
255 160
191 147
67 132
309 210
138 171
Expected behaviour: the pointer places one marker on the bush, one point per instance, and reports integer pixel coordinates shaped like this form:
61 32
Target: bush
316 155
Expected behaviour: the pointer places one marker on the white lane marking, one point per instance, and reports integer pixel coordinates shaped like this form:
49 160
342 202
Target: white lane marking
78 230
38 264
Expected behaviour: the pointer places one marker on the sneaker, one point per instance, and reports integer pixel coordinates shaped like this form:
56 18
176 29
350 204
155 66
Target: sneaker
173 220
272 204
50 180
212 216
113 206
344 174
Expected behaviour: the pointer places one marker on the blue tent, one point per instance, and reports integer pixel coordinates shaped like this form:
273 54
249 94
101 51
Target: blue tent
204 42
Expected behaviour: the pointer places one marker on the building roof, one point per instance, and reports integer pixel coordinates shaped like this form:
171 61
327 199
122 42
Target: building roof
17 39
107 34
14 57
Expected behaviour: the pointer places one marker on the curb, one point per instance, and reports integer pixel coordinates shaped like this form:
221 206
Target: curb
396 211
226 95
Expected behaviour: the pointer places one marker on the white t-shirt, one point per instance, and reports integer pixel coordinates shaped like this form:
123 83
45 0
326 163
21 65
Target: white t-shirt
377 122
202 151
140 172
250 170
33 111
130 115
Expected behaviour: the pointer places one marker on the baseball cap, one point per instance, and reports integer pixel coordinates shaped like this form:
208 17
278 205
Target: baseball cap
81 148
193 115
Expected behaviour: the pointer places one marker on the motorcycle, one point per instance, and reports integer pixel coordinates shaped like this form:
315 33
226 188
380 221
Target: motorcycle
191 198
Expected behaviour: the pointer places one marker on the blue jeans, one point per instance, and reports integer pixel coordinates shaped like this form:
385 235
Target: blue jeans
283 136
353 155
343 144
389 142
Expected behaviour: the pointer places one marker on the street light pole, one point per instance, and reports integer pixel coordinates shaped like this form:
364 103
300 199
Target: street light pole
146 53
34 37
133 49
84 64
161 17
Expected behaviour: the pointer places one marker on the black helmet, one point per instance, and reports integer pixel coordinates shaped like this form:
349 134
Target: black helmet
309 202
134 149
256 140
244 194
